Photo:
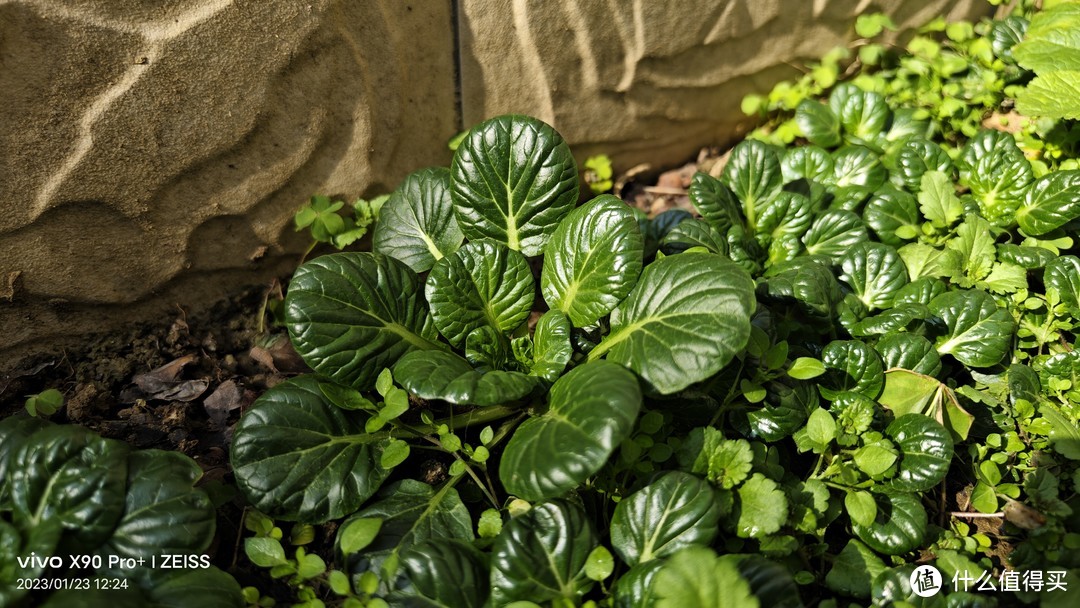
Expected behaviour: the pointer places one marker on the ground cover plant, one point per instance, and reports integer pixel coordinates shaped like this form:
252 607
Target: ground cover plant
855 358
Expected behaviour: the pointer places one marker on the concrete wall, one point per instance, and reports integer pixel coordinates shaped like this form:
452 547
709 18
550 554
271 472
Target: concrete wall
152 152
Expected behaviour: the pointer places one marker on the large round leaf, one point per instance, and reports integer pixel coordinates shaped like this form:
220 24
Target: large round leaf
512 179
788 213
857 166
915 157
926 451
980 333
163 513
899 526
592 409
1051 202
894 216
417 224
352 314
541 555
298 457
863 114
834 232
592 260
14 430
676 511
875 273
806 162
851 365
483 283
998 174
686 318
694 233
787 405
818 123
69 477
446 376
428 567
909 351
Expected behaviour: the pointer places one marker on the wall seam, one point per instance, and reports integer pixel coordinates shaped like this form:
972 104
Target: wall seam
455 28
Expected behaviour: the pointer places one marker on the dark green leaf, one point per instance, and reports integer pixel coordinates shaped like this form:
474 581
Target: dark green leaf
163 513
512 180
592 261
899 527
685 319
635 588
893 215
858 166
1051 202
853 570
676 511
807 162
999 175
787 213
1063 274
417 225
1005 34
350 315
920 291
979 333
1025 257
770 582
715 202
926 448
13 433
807 281
298 457
834 232
895 319
430 566
551 346
909 351
851 365
541 555
914 158
787 406
874 272
482 283
69 477
818 124
863 114
446 376
753 174
592 409
694 233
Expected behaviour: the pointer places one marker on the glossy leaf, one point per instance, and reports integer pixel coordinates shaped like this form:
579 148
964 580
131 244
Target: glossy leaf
787 406
14 430
917 156
512 180
753 174
483 283
592 261
807 281
299 457
636 588
979 333
541 555
926 452
875 272
674 512
895 319
551 346
858 166
910 352
834 232
591 410
818 123
350 315
863 114
428 567
1063 274
899 527
694 233
417 225
163 513
893 215
1051 202
787 213
999 175
69 477
770 582
715 202
685 319
806 162
851 365
446 376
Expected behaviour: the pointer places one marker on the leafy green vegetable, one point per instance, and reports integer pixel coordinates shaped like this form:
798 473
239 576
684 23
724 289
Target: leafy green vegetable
674 512
417 224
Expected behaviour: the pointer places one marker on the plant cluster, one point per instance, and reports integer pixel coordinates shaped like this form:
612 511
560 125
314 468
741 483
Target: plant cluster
103 521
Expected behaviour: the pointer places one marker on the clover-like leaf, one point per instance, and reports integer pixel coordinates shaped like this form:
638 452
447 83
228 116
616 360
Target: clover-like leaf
725 462
761 509
591 410
68 477
753 174
979 333
676 511
512 180
447 376
299 457
163 513
1051 202
417 225
834 232
541 555
695 576
900 524
351 315
875 272
926 448
592 261
686 318
482 283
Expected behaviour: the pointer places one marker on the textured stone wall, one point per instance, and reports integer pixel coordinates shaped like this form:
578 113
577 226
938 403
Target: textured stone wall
152 152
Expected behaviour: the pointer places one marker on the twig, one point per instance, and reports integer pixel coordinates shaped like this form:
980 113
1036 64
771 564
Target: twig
665 190
967 515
